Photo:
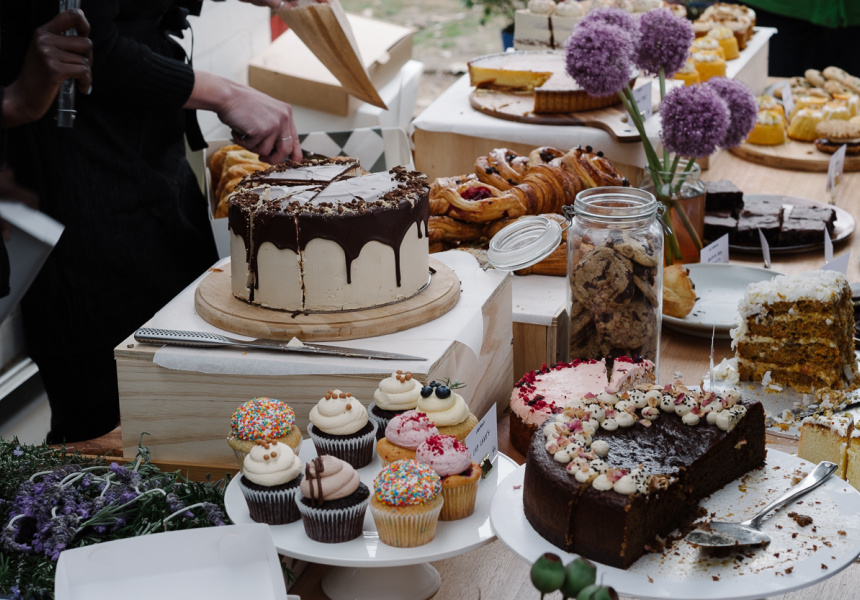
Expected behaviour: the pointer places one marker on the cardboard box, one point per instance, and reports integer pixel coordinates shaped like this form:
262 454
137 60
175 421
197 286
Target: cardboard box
289 71
216 563
378 149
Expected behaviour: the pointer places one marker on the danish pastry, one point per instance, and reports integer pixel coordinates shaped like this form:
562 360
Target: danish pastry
446 229
679 293
502 168
544 155
592 168
546 189
438 204
479 202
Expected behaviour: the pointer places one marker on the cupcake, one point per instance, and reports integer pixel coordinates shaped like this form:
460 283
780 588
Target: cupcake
406 502
395 395
709 64
769 129
802 125
727 40
340 427
270 482
333 501
262 419
404 434
709 44
688 74
447 409
452 461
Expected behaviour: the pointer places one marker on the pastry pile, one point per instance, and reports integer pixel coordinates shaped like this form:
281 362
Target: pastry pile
229 164
471 209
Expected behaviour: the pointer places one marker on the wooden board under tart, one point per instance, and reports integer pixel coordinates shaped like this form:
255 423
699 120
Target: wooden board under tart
792 155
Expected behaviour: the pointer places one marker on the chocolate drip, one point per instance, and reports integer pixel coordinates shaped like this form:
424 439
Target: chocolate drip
316 499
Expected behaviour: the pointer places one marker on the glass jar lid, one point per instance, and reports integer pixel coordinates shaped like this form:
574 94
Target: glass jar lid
524 242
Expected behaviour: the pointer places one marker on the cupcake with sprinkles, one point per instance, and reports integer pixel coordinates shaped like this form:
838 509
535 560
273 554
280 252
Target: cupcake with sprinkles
403 436
339 426
270 482
452 462
333 501
262 419
394 396
406 502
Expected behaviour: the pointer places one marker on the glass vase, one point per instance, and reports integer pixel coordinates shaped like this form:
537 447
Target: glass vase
683 195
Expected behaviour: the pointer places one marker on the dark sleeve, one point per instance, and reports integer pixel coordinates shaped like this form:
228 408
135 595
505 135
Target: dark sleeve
2 136
130 71
4 269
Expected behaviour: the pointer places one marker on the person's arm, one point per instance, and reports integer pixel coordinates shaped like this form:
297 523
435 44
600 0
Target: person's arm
51 58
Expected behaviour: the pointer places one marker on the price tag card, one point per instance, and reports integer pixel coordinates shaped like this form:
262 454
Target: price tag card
765 249
834 168
840 263
483 440
643 98
716 252
787 99
828 247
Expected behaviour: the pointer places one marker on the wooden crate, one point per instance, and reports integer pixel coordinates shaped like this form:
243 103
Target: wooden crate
536 345
187 414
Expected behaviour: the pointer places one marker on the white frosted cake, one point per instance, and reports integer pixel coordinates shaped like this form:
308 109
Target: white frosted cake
319 236
545 25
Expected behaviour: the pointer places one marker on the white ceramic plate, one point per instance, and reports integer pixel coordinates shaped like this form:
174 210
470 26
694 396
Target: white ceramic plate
681 572
719 288
452 537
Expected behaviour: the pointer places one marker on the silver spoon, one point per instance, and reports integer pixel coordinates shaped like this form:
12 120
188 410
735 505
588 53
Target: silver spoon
727 535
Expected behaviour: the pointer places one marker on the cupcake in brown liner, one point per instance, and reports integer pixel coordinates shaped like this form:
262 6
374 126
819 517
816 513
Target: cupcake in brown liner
447 409
452 461
333 501
340 427
262 419
403 435
270 482
394 396
406 502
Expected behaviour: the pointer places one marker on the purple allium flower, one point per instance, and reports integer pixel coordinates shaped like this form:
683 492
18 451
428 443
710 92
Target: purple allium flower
695 120
613 16
599 58
664 41
743 109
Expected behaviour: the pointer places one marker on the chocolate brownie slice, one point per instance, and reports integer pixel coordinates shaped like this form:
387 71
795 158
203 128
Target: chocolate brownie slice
722 195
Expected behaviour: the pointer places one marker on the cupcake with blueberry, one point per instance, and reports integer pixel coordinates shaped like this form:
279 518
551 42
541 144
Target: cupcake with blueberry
404 434
270 480
405 504
333 501
452 462
394 396
447 409
262 419
339 426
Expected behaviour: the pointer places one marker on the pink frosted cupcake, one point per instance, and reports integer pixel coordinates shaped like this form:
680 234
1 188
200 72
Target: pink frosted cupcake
403 435
339 426
333 501
452 461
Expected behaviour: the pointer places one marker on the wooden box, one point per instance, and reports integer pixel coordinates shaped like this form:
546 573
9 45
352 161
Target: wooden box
187 413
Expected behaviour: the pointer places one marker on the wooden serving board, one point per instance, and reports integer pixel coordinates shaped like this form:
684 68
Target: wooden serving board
216 304
794 155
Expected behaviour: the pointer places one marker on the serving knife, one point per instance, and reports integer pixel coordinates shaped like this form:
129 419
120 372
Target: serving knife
200 339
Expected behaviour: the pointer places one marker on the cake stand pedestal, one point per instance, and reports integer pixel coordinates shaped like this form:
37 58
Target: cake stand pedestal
367 569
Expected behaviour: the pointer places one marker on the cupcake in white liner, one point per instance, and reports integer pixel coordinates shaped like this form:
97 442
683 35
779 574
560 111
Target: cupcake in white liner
394 396
453 463
339 426
447 409
404 434
333 501
262 419
406 502
270 482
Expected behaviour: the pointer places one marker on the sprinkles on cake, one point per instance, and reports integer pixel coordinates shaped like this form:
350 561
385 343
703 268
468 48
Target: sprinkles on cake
262 418
406 483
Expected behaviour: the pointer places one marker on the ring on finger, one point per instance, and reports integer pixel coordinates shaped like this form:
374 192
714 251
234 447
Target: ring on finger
287 139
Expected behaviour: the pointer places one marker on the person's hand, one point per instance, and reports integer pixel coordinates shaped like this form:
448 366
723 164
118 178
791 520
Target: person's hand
51 58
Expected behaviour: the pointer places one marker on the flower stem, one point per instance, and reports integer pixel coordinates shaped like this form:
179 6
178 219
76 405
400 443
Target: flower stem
629 102
662 78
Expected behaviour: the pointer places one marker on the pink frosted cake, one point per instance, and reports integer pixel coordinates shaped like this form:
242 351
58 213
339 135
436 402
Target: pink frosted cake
544 392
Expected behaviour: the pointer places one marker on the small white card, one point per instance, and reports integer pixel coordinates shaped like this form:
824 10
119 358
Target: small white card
787 99
483 440
840 263
834 168
828 247
643 98
716 252
765 248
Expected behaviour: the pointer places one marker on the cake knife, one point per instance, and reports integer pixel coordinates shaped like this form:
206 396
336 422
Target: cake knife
200 339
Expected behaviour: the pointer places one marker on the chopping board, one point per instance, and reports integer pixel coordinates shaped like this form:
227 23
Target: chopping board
216 304
793 155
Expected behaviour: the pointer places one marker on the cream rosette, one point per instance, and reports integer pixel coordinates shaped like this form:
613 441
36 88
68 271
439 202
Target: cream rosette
329 479
276 464
444 411
397 394
339 426
270 483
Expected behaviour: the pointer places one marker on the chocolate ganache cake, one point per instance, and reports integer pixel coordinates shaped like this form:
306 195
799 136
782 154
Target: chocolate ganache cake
321 235
606 477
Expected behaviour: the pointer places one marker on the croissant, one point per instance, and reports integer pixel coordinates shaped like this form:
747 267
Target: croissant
478 202
216 163
446 229
438 204
592 168
236 171
502 168
544 155
546 189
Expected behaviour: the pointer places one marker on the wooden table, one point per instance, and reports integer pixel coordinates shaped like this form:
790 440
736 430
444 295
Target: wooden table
493 571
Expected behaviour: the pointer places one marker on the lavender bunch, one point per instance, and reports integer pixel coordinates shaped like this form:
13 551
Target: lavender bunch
600 57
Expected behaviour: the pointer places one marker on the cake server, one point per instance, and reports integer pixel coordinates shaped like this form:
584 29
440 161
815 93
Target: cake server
726 535
200 339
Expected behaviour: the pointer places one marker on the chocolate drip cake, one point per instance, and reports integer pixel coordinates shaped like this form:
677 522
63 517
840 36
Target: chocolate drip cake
321 236
609 475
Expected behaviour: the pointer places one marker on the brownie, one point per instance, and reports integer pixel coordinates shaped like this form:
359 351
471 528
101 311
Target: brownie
801 231
750 223
718 224
762 206
723 195
814 213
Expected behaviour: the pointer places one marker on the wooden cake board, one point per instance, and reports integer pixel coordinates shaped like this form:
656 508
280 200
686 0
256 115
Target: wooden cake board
216 304
793 155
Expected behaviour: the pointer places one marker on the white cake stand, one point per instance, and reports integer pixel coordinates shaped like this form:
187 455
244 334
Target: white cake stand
684 572
365 568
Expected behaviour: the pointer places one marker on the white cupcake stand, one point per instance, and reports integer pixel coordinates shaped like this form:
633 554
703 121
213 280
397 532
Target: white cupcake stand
365 568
